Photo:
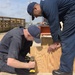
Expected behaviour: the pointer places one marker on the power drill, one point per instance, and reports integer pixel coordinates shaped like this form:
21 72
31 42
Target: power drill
27 59
32 70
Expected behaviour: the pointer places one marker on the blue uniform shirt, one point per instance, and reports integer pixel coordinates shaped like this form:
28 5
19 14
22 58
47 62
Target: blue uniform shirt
15 44
54 11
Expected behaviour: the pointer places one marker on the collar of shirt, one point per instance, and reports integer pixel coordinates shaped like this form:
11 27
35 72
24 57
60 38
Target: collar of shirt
21 31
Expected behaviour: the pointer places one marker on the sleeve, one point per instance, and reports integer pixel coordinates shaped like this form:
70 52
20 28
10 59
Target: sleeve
14 48
51 10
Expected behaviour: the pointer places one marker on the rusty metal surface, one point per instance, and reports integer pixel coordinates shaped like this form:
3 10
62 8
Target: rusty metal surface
45 29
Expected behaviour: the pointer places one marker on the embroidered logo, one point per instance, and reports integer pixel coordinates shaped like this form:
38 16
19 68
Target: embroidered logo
38 35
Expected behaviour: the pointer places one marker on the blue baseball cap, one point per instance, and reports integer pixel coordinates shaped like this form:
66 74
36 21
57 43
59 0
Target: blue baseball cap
35 32
30 9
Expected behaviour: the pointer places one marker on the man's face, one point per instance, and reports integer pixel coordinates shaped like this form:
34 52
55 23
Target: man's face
29 37
37 10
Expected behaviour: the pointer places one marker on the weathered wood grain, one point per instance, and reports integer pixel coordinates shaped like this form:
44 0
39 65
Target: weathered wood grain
46 62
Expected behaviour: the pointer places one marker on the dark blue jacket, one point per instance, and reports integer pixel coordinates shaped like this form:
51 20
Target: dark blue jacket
54 11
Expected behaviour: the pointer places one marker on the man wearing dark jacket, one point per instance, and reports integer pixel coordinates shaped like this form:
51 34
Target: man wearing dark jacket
55 11
13 48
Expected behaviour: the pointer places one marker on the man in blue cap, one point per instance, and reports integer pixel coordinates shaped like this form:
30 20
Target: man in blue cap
13 48
55 11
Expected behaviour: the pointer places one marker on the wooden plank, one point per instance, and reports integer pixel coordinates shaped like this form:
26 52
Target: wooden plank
46 62
46 40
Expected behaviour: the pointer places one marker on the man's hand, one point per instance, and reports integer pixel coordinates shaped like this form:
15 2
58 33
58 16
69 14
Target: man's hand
54 47
31 64
18 64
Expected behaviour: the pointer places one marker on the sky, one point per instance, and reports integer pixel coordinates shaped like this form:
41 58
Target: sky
16 9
